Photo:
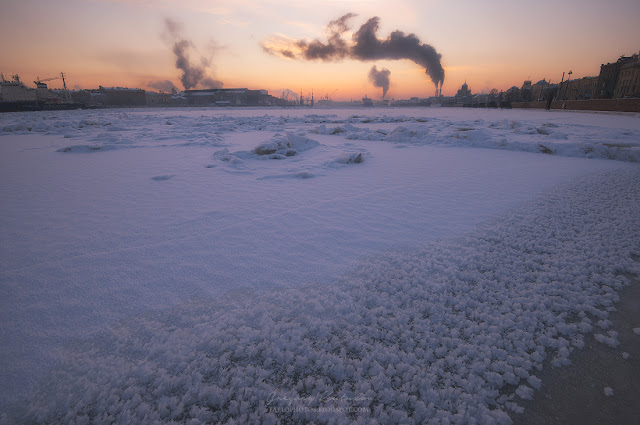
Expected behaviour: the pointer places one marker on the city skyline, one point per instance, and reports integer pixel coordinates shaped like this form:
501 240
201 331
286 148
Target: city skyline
139 43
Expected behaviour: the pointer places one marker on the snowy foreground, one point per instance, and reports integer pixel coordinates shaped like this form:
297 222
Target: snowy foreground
290 266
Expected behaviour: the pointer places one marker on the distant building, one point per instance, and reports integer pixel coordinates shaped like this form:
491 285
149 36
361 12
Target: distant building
464 93
608 79
619 79
480 99
81 96
414 101
538 89
511 95
98 98
158 99
581 89
121 96
628 84
530 92
229 97
526 94
179 100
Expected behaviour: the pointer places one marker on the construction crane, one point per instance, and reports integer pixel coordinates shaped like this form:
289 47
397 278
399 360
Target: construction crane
327 96
38 81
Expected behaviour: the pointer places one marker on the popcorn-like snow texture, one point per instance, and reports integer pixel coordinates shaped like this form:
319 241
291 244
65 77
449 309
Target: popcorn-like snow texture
546 137
548 134
454 332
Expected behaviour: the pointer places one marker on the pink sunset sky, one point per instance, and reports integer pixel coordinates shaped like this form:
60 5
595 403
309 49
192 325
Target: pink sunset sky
490 44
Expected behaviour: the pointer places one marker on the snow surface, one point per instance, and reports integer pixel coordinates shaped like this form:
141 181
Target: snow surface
340 266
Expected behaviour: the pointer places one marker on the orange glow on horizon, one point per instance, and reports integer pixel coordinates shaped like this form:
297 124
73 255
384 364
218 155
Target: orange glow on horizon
341 81
489 45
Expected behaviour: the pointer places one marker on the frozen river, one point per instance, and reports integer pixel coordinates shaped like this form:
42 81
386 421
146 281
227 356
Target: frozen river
156 261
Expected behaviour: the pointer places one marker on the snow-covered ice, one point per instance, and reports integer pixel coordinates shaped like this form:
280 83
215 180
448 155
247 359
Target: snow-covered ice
212 265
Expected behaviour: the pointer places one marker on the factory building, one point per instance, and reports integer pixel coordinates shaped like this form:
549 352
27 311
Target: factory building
120 96
229 97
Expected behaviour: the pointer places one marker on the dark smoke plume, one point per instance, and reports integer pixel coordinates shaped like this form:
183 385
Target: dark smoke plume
193 75
380 79
397 46
335 48
365 46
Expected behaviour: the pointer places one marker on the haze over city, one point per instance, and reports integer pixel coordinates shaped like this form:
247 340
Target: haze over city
158 45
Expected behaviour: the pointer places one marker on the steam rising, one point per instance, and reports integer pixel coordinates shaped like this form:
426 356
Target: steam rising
380 79
193 75
365 46
163 85
289 94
